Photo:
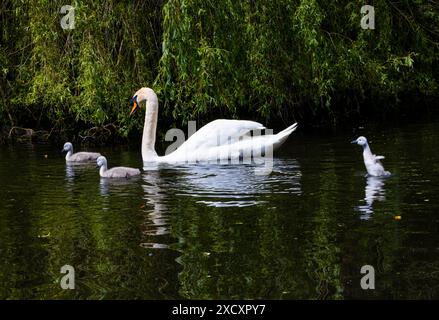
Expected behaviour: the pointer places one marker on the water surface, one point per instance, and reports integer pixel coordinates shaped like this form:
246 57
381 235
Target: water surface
222 232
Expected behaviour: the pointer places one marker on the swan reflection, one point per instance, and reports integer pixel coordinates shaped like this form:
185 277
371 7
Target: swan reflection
152 203
122 187
153 187
212 185
237 185
76 168
374 191
75 171
206 185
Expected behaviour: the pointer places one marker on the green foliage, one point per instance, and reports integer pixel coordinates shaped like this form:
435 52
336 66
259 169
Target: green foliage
79 78
269 59
275 57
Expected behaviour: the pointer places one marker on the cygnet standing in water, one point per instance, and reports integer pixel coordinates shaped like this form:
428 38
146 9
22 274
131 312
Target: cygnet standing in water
117 172
79 156
372 162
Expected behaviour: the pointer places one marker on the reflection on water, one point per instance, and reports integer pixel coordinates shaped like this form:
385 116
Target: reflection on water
75 171
237 185
212 185
374 191
121 187
222 231
156 223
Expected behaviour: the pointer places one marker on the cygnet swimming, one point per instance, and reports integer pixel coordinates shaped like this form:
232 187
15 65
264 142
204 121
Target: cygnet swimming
372 162
116 172
79 156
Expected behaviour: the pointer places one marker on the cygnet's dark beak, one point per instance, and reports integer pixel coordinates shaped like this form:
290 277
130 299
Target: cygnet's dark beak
354 141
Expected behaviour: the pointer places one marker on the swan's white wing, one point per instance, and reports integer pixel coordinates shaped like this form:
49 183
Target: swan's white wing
218 133
378 159
243 145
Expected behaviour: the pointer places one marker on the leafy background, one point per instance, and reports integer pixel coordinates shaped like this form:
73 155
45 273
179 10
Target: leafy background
272 61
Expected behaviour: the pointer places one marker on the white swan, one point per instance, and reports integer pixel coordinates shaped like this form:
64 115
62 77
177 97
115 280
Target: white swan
219 139
372 162
79 156
117 172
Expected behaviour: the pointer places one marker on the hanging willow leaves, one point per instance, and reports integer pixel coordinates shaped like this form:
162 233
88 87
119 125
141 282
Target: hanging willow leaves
262 59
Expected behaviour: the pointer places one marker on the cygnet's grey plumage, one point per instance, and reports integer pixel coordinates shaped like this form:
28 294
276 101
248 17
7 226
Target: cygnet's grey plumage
116 172
372 162
79 156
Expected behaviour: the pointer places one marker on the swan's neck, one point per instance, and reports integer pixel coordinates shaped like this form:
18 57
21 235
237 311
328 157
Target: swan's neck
149 130
102 169
367 153
69 154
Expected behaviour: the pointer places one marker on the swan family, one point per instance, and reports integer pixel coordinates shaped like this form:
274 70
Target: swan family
219 139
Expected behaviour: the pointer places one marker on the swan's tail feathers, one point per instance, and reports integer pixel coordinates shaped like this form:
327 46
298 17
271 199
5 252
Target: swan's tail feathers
283 135
288 130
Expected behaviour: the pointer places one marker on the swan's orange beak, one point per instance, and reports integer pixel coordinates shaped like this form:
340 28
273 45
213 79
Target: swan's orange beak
134 108
135 105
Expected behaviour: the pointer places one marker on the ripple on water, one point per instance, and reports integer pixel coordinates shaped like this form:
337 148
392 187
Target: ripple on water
238 185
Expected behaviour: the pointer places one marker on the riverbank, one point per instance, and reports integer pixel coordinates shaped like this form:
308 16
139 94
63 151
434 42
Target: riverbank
414 110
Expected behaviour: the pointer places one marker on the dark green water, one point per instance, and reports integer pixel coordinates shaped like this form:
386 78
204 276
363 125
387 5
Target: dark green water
220 231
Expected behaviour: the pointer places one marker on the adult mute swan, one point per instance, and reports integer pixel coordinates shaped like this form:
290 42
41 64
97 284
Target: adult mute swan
219 139
372 162
117 172
79 156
